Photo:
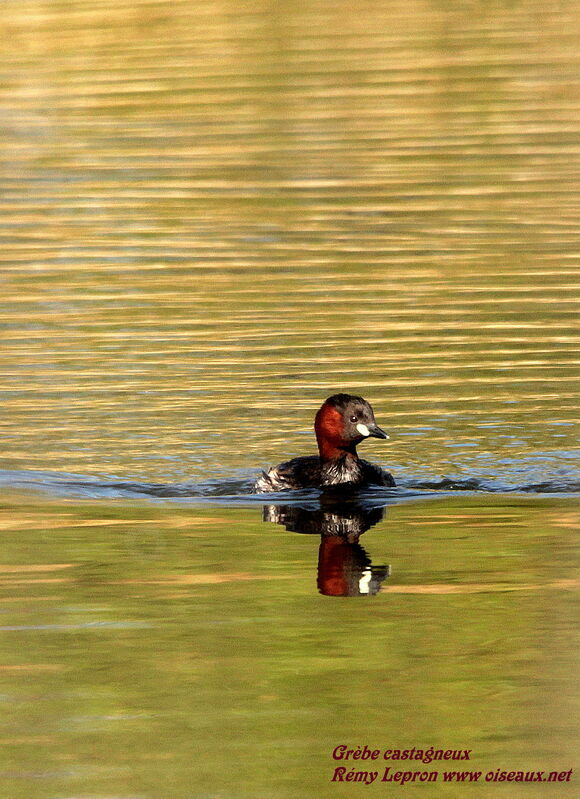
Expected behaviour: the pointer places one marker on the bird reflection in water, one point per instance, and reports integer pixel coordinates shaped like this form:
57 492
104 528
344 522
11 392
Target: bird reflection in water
344 568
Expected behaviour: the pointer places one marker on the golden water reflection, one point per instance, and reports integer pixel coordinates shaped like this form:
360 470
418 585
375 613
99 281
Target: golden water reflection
215 215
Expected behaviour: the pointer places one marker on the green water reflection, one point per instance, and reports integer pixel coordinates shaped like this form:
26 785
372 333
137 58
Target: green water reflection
151 651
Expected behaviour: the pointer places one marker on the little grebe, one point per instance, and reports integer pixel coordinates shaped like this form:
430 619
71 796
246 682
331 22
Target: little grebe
342 422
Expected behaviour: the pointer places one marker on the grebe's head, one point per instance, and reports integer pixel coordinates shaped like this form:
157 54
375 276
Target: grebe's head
342 422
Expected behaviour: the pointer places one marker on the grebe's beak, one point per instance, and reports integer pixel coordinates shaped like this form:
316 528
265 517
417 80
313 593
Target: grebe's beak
371 430
376 431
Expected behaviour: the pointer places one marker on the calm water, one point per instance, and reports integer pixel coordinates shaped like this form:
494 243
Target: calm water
167 651
212 216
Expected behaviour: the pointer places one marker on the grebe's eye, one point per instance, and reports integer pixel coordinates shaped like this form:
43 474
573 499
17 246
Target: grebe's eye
353 418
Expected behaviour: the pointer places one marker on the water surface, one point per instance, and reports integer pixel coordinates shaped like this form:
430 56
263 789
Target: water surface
158 651
212 216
